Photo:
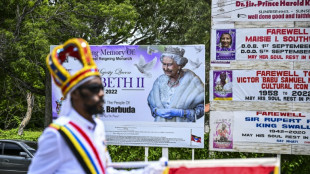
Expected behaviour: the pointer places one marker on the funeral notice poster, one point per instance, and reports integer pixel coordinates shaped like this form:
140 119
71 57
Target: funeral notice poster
142 107
221 135
274 127
269 44
260 85
261 10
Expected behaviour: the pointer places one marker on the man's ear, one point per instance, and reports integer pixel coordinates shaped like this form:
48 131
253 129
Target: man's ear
75 94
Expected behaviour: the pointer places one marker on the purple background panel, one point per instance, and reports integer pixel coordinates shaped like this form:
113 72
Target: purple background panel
226 53
220 91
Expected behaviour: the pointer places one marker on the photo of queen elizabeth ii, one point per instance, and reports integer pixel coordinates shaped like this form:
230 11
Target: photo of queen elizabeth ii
178 94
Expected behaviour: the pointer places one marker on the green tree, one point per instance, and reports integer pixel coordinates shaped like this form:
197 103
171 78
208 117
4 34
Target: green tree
28 28
21 71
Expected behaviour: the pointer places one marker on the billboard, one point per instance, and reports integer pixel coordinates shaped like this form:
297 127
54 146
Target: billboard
260 127
260 85
143 105
257 10
269 44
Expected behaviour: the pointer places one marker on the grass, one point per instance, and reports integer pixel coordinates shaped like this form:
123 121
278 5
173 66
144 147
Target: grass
13 134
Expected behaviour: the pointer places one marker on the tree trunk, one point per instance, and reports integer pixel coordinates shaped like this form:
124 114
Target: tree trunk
30 102
48 100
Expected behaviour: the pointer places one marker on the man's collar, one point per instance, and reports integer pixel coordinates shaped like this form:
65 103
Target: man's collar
80 120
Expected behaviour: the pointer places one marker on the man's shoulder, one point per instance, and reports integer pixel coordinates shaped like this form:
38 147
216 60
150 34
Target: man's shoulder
61 121
51 132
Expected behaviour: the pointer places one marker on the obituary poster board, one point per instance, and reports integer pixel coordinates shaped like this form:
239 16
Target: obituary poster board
268 44
260 85
128 73
262 127
261 10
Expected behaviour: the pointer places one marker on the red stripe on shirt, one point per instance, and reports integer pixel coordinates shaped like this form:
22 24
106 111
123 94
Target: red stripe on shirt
89 142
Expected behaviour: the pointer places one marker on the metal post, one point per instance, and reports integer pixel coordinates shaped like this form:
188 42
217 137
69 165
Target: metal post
165 152
279 158
146 153
193 154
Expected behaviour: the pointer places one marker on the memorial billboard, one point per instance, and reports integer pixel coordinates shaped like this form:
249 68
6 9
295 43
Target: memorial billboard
260 85
142 106
269 44
275 128
257 10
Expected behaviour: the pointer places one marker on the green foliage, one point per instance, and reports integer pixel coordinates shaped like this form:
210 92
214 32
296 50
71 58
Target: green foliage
291 164
28 28
12 134
126 153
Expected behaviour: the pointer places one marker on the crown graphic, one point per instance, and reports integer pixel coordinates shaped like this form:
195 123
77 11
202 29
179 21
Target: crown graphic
174 50
79 49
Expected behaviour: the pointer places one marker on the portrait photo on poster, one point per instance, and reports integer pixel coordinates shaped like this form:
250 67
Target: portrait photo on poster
223 136
177 95
226 44
222 85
